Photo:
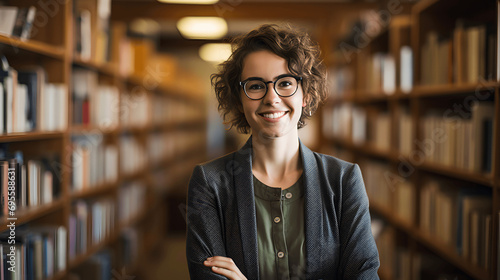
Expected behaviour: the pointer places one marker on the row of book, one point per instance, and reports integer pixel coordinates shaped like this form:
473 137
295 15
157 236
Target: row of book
380 72
37 180
28 102
169 145
94 104
93 161
92 30
398 261
38 252
464 141
379 181
90 222
405 132
105 265
133 154
359 125
461 139
17 21
135 109
464 56
131 200
170 110
459 217
340 81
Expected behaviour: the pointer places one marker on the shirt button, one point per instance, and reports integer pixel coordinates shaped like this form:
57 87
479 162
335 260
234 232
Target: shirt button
289 195
281 255
277 219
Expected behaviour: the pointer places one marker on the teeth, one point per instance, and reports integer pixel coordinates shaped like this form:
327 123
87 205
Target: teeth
274 115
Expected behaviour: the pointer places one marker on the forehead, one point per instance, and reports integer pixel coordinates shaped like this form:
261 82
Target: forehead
263 64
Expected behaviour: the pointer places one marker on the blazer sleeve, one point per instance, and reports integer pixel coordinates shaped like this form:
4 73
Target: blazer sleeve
204 227
359 256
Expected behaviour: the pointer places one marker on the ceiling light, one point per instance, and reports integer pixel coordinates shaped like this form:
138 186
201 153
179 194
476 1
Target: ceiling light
215 52
201 2
202 27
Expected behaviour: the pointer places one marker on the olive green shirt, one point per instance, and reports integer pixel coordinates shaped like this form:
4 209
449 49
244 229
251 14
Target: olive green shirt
280 231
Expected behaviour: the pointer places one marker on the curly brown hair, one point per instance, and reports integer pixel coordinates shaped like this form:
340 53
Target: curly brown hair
303 59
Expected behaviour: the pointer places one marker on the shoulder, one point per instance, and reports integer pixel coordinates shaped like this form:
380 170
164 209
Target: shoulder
333 166
216 170
334 162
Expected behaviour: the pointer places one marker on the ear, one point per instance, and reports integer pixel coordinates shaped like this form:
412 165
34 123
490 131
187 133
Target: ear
305 100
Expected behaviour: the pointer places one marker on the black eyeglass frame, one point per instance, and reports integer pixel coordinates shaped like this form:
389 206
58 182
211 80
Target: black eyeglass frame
243 83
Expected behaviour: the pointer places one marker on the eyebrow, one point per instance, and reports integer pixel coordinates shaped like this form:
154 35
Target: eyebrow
275 78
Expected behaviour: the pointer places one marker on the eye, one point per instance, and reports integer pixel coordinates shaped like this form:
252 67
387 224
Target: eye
255 86
285 83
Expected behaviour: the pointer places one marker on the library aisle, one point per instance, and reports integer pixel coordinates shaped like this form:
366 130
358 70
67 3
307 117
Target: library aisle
106 107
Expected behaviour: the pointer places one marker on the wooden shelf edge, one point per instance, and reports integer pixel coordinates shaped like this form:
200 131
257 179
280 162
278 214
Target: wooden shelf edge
479 178
26 215
93 191
445 89
79 259
428 241
29 136
34 46
107 68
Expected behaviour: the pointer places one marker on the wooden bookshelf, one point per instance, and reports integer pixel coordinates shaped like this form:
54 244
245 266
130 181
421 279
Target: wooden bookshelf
53 47
414 108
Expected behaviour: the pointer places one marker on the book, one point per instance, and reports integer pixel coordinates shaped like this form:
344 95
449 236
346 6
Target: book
7 19
406 69
34 78
24 22
482 122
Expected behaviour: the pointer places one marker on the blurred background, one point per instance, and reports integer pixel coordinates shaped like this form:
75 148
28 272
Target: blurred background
106 106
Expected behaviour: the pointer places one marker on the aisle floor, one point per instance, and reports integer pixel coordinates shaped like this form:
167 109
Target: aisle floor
172 263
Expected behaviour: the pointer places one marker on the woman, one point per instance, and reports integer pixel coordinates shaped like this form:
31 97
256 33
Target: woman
274 209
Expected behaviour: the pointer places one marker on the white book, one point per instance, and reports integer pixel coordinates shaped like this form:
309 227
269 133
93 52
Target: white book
2 98
21 108
9 96
34 175
8 17
47 187
86 34
49 254
406 74
388 75
61 112
61 248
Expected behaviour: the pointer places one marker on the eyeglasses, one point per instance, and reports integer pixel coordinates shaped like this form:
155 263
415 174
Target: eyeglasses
285 86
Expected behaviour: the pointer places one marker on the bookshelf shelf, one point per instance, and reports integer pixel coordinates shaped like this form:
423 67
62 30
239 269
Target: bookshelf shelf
30 136
483 179
27 215
94 191
452 89
35 47
78 260
104 68
430 242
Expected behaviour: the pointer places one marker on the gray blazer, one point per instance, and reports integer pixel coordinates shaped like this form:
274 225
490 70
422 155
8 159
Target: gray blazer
221 219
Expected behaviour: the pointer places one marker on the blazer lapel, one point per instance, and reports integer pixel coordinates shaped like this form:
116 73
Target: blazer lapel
243 184
313 207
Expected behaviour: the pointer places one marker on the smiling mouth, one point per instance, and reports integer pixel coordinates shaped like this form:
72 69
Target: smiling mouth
276 115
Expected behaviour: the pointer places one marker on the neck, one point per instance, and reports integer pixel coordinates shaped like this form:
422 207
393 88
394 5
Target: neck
276 160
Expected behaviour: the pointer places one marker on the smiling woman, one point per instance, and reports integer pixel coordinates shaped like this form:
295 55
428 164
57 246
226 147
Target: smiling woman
274 209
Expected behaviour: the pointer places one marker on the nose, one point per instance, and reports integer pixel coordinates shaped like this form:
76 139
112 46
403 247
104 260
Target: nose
271 96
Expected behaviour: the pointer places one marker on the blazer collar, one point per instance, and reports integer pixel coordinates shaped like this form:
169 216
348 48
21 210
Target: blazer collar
243 182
